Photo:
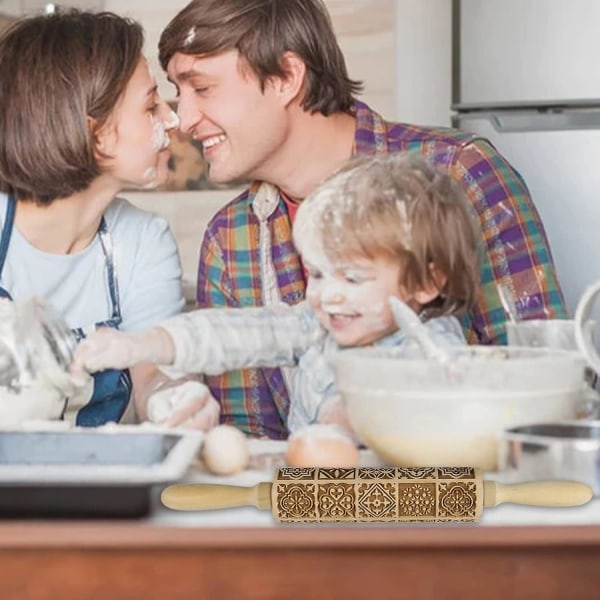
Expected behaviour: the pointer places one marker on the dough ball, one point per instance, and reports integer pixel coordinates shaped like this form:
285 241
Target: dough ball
321 446
162 404
225 450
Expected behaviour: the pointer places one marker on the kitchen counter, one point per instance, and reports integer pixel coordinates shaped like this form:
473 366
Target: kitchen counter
515 552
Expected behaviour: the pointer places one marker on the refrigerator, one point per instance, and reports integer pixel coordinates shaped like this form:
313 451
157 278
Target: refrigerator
526 76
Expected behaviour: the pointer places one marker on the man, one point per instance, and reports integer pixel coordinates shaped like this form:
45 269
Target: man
264 86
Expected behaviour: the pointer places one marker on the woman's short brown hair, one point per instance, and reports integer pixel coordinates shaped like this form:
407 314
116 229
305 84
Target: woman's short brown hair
262 31
398 206
61 78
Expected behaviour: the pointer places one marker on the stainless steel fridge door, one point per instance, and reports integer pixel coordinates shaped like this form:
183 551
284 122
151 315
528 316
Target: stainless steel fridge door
559 157
523 51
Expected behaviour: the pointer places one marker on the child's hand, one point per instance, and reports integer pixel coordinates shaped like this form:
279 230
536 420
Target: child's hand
188 405
109 348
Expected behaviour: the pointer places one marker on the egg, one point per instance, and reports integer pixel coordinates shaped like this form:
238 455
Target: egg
225 450
321 446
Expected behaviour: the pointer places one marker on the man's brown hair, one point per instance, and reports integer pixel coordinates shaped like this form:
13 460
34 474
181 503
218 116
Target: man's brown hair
399 207
61 78
262 31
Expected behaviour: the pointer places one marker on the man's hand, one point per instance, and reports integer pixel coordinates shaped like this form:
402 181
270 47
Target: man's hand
109 348
189 404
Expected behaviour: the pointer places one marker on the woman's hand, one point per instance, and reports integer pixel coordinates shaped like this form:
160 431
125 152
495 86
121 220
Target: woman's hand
109 348
189 404
180 404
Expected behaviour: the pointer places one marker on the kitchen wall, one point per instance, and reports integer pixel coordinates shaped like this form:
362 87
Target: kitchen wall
399 48
423 61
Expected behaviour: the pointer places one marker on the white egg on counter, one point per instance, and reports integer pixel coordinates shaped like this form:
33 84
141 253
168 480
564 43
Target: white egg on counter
321 446
225 450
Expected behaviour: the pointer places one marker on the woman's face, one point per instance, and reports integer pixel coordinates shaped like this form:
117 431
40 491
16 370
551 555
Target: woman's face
136 137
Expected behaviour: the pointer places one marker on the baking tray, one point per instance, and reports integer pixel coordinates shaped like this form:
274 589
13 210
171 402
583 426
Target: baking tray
84 473
563 450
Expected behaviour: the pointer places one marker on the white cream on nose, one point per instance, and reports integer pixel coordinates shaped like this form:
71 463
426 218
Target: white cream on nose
160 137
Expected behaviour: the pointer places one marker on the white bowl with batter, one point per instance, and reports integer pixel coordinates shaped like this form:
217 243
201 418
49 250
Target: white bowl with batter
418 412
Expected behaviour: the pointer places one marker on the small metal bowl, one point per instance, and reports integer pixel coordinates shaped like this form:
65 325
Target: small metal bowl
566 450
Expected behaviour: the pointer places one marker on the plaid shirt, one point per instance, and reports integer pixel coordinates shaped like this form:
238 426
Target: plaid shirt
518 256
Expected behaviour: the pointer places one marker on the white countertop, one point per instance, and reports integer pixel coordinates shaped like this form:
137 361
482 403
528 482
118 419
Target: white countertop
266 457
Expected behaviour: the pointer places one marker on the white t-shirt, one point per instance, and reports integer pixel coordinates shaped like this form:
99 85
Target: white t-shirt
147 269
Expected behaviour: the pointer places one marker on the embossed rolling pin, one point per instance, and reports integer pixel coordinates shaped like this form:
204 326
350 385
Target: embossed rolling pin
314 495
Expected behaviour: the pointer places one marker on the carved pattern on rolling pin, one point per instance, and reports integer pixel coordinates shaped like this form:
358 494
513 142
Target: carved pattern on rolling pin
375 473
457 499
416 499
336 501
456 473
376 501
336 474
378 494
416 473
296 502
297 473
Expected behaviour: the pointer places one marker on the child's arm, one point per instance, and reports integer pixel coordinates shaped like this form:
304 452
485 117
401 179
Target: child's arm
213 341
209 341
108 348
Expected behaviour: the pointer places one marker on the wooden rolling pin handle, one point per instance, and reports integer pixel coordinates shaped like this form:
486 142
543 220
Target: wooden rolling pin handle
203 496
537 493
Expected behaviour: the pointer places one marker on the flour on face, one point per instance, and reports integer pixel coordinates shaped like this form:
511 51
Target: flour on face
150 175
350 298
160 128
160 142
348 291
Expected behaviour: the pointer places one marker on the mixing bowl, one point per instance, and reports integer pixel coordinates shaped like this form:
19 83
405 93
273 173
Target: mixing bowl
567 450
418 412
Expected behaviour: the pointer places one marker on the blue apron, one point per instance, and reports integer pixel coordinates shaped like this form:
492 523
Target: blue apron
112 388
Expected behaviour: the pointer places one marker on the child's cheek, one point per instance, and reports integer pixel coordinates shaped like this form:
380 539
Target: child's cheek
364 297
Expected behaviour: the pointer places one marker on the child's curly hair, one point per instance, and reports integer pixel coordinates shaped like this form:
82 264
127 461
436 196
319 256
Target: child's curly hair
398 206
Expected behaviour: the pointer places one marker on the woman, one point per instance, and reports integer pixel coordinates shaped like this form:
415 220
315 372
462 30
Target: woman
81 119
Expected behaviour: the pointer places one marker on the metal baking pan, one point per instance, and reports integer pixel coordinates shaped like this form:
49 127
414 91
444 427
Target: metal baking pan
564 450
85 473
